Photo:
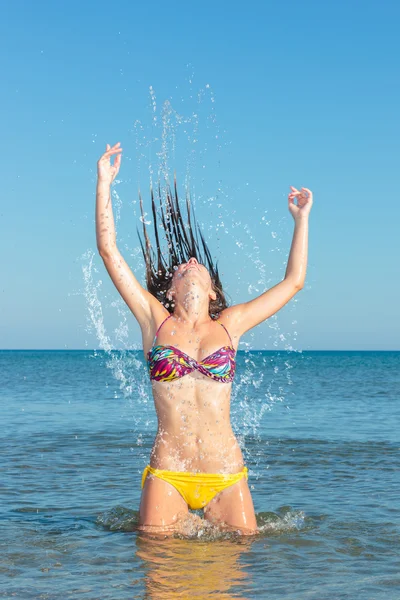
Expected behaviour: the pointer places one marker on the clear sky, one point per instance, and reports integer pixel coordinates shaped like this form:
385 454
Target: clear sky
242 100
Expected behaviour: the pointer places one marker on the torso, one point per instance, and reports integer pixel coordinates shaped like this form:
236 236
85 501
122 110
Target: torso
194 429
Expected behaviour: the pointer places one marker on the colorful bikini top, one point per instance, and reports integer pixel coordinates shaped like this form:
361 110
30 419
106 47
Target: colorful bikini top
167 363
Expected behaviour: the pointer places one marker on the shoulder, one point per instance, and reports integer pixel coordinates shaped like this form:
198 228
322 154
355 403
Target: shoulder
231 318
247 315
158 316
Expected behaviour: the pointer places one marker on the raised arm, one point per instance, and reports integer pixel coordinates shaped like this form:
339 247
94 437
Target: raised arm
243 317
145 307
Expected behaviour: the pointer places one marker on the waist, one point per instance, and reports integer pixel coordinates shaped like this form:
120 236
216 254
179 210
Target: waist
207 454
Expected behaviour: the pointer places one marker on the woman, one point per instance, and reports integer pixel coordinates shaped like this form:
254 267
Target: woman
190 339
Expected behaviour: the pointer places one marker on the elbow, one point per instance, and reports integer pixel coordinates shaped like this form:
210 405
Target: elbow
105 252
298 285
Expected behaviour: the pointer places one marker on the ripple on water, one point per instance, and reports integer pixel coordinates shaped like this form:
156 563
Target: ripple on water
194 526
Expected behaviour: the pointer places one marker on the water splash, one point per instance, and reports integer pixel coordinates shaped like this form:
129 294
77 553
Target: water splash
95 321
194 526
120 355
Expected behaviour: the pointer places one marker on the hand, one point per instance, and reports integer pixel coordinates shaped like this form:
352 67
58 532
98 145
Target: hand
105 170
304 202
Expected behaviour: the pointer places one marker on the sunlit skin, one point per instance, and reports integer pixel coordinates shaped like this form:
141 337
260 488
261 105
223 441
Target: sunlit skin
194 432
194 429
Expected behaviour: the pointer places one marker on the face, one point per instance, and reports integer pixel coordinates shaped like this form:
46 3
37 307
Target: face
192 273
192 267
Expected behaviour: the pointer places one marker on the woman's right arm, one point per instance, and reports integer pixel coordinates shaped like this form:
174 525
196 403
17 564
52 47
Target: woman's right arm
145 307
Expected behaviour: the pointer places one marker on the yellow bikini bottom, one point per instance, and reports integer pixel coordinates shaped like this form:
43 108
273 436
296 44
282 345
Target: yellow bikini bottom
197 489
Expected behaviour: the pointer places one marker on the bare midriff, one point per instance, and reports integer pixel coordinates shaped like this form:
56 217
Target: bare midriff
194 429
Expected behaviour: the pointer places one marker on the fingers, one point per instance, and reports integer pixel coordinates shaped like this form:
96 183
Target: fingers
111 150
297 192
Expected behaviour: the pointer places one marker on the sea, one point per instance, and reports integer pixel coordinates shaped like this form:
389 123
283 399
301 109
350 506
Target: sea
320 434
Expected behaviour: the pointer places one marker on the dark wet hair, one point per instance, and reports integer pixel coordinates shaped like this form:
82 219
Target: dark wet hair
182 245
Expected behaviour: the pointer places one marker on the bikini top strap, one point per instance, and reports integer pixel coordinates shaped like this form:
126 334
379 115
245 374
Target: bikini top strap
166 319
226 332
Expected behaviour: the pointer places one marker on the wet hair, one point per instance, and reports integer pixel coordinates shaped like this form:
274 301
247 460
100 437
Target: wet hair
183 243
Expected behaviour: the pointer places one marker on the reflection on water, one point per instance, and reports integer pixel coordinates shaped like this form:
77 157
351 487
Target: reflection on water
193 568
200 559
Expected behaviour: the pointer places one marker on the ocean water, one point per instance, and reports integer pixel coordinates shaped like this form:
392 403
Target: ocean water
320 436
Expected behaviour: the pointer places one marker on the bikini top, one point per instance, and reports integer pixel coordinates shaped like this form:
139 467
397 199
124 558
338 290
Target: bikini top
167 363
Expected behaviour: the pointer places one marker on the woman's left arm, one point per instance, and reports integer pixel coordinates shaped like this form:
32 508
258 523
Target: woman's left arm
297 261
243 317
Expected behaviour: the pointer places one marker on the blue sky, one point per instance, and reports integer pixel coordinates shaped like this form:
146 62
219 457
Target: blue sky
263 95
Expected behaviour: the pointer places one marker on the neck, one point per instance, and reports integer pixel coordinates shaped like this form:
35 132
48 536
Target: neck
193 313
